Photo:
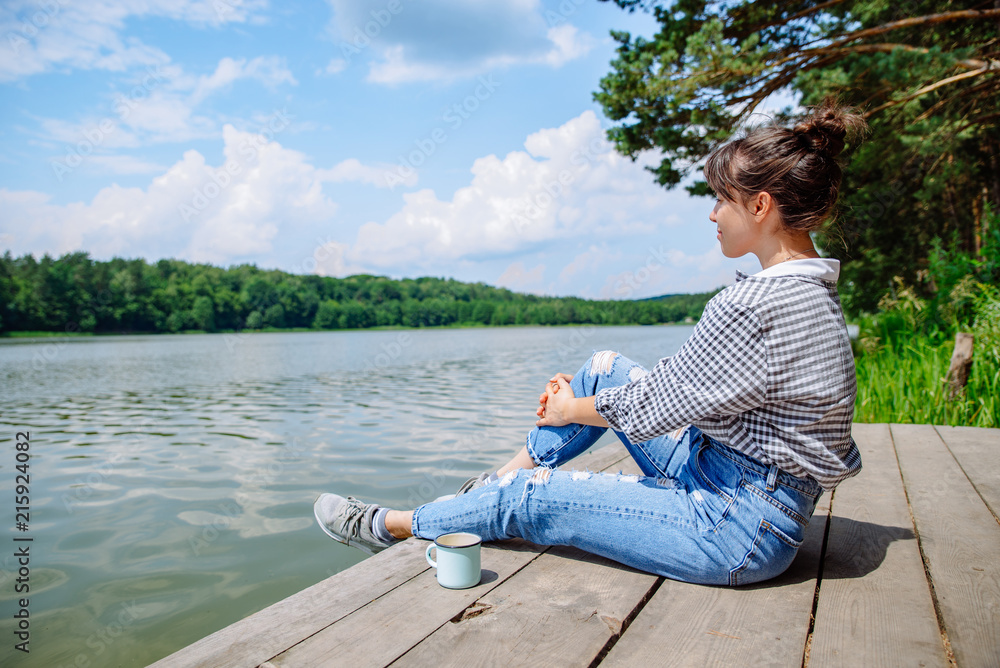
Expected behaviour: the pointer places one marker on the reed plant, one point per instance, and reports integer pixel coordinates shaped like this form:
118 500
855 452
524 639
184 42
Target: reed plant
903 357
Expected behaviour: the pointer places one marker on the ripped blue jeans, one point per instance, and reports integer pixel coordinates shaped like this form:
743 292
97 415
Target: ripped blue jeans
701 512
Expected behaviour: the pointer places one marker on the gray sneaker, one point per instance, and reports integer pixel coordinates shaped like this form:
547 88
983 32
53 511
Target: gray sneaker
348 521
467 486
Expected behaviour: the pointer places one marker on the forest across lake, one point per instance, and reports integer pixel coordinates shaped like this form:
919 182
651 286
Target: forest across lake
75 293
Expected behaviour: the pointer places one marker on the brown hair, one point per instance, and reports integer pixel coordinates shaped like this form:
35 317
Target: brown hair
797 166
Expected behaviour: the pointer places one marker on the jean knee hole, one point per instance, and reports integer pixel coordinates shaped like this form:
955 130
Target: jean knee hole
603 362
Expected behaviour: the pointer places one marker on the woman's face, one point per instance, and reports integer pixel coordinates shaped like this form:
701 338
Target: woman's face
738 230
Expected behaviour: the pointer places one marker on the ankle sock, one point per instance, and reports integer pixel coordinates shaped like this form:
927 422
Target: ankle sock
493 478
378 526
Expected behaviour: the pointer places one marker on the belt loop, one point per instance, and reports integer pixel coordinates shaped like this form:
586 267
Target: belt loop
772 478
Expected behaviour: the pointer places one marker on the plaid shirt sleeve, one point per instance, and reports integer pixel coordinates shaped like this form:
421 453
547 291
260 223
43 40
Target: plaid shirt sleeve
720 370
768 371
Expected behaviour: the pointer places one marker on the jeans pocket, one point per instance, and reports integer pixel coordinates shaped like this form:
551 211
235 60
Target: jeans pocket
771 552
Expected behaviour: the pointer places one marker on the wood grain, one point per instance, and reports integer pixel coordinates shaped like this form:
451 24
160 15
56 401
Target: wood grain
960 540
561 606
378 633
978 453
760 625
253 640
560 611
416 609
875 606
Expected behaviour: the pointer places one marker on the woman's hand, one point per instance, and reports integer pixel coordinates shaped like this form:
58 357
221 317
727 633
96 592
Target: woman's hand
556 404
554 385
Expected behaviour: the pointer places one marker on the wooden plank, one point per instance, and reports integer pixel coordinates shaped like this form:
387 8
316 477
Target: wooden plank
960 541
380 632
694 625
599 459
253 640
978 453
560 611
875 606
348 640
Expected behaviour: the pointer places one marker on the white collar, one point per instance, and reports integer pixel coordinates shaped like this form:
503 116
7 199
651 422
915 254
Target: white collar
825 268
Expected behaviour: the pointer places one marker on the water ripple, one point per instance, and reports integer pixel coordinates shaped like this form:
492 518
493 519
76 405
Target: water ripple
173 476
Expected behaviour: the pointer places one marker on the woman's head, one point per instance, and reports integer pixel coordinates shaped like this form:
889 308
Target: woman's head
796 166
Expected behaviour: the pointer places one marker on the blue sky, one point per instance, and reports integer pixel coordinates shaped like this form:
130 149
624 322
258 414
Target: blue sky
454 138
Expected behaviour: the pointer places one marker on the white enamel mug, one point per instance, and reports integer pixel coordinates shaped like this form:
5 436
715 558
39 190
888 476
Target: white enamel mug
458 562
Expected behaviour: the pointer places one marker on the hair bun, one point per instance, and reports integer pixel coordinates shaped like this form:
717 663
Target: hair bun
827 129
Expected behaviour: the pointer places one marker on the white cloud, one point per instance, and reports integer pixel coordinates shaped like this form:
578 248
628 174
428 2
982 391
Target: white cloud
568 44
380 175
124 164
159 105
330 260
593 260
519 279
448 40
45 36
567 184
335 66
661 269
261 194
269 70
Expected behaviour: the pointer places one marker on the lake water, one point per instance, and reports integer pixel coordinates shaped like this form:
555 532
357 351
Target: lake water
172 477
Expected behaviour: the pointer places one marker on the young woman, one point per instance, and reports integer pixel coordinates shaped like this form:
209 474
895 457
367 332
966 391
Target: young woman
736 435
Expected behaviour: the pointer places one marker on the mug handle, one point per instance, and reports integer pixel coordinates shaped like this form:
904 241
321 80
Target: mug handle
427 554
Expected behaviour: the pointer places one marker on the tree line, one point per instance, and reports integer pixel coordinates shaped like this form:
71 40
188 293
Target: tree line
75 293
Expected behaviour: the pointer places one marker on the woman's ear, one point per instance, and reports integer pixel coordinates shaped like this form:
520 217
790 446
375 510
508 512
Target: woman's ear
761 205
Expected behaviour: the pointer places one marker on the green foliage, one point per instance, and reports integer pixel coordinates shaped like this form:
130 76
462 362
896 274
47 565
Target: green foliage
905 383
74 294
925 72
904 351
255 320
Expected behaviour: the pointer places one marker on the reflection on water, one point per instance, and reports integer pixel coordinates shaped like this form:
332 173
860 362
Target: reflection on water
172 477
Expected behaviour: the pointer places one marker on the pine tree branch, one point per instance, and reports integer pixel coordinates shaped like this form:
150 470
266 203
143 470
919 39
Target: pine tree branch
794 17
887 47
928 89
965 92
930 19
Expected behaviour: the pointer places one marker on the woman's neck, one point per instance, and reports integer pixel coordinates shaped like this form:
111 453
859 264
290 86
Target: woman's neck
786 247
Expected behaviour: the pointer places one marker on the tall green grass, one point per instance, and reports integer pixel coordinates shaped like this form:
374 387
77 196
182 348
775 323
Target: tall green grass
902 359
907 384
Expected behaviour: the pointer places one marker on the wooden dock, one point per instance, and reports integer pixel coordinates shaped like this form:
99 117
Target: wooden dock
901 567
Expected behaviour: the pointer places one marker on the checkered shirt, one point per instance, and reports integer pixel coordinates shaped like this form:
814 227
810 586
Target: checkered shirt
768 371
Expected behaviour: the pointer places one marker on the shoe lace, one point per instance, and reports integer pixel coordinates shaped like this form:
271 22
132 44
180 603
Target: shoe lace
355 514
